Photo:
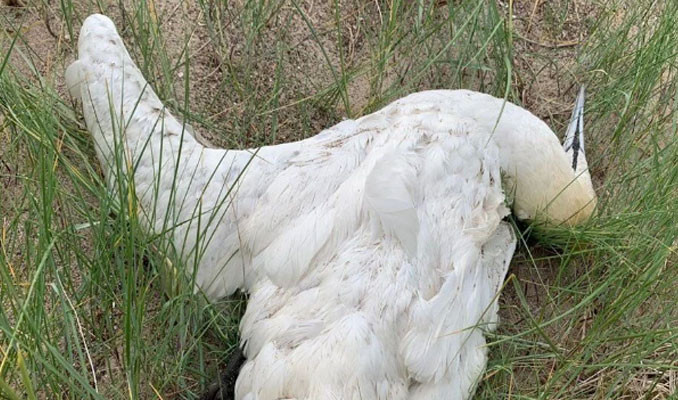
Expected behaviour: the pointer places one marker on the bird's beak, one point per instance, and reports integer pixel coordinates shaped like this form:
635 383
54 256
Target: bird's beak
574 138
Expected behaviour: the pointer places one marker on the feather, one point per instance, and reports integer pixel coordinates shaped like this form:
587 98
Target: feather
389 195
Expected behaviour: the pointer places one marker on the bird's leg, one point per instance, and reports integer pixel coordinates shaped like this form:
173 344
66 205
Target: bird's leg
224 387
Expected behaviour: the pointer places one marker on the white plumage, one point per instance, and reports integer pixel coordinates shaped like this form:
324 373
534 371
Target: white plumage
373 252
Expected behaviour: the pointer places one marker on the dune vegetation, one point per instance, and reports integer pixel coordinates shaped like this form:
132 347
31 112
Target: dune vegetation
91 308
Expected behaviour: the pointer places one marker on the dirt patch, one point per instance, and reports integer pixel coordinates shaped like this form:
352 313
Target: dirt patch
547 37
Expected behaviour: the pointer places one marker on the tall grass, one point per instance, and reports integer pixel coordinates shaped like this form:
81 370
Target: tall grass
84 310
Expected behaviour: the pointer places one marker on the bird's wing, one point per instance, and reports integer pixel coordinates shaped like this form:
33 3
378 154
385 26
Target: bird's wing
296 215
381 255
266 195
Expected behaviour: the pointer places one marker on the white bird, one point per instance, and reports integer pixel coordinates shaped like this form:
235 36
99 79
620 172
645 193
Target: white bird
373 252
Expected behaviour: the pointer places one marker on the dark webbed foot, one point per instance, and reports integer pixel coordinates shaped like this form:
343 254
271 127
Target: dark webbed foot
224 388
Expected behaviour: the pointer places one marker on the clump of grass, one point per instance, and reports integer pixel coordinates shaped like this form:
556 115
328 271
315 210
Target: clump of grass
605 325
83 309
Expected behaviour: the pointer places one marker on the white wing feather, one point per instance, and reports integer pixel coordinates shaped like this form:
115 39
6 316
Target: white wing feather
389 195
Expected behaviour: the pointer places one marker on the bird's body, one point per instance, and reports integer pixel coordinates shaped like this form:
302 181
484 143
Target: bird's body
373 252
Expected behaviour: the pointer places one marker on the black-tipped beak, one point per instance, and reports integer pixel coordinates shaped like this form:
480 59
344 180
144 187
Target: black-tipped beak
574 138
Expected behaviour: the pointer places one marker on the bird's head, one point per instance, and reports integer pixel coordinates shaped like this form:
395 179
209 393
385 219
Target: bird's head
548 182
